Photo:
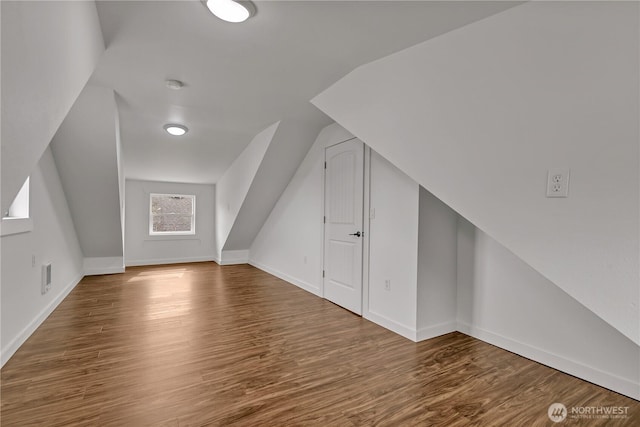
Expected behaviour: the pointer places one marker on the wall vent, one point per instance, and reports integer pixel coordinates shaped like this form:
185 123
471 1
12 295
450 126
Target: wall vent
46 278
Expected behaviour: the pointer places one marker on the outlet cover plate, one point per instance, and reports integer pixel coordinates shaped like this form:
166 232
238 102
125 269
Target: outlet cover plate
558 182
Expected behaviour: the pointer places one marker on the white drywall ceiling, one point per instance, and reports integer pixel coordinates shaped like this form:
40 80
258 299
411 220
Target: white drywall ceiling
240 78
84 148
49 50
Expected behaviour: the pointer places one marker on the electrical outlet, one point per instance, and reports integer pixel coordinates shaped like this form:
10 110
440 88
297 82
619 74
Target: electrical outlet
372 213
558 183
387 285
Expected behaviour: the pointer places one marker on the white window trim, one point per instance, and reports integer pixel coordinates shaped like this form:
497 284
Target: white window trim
156 237
12 226
173 233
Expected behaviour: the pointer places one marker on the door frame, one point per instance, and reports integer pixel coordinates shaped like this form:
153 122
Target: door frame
366 210
366 222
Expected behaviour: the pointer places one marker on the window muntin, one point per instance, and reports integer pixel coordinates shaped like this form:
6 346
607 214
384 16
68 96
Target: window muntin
172 214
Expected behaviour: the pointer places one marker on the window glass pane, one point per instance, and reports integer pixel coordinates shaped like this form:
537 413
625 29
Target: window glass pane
168 204
172 213
164 223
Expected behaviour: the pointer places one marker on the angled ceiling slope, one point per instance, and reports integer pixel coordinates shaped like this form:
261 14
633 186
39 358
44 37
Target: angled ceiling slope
241 78
289 145
85 149
250 188
233 187
38 86
477 116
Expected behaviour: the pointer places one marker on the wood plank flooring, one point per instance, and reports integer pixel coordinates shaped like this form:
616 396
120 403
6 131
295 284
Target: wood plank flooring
199 344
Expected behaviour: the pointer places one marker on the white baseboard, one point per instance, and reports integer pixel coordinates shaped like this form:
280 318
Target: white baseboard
585 372
160 261
13 345
436 330
234 257
392 325
103 265
299 283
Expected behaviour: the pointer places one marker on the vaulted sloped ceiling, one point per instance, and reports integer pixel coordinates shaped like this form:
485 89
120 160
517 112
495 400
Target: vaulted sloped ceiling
241 78
233 187
86 153
49 50
250 188
479 115
284 154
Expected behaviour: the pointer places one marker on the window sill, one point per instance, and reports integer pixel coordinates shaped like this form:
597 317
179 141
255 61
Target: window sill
10 226
157 237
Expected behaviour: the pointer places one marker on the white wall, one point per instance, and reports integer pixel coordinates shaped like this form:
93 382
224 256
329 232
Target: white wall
85 148
465 280
478 115
437 267
142 249
505 302
290 243
232 188
393 248
53 240
288 147
49 50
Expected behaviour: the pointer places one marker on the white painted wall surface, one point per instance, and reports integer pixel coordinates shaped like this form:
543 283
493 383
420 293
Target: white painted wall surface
478 115
294 231
505 302
437 267
496 296
289 145
97 266
85 148
289 245
143 249
53 240
393 248
38 88
232 188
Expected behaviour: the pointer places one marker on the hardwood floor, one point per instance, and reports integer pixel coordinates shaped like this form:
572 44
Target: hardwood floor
200 344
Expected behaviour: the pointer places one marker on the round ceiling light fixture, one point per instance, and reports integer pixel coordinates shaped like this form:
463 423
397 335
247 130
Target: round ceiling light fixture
175 130
174 84
230 10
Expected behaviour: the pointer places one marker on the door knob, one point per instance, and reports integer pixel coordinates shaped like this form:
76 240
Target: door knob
357 234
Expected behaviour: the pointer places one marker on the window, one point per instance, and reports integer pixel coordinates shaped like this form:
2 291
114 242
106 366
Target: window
172 214
20 206
17 220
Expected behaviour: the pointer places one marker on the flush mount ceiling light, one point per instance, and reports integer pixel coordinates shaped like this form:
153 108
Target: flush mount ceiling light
175 130
230 10
174 84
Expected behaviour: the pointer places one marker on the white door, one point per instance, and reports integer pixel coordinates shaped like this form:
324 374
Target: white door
344 192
